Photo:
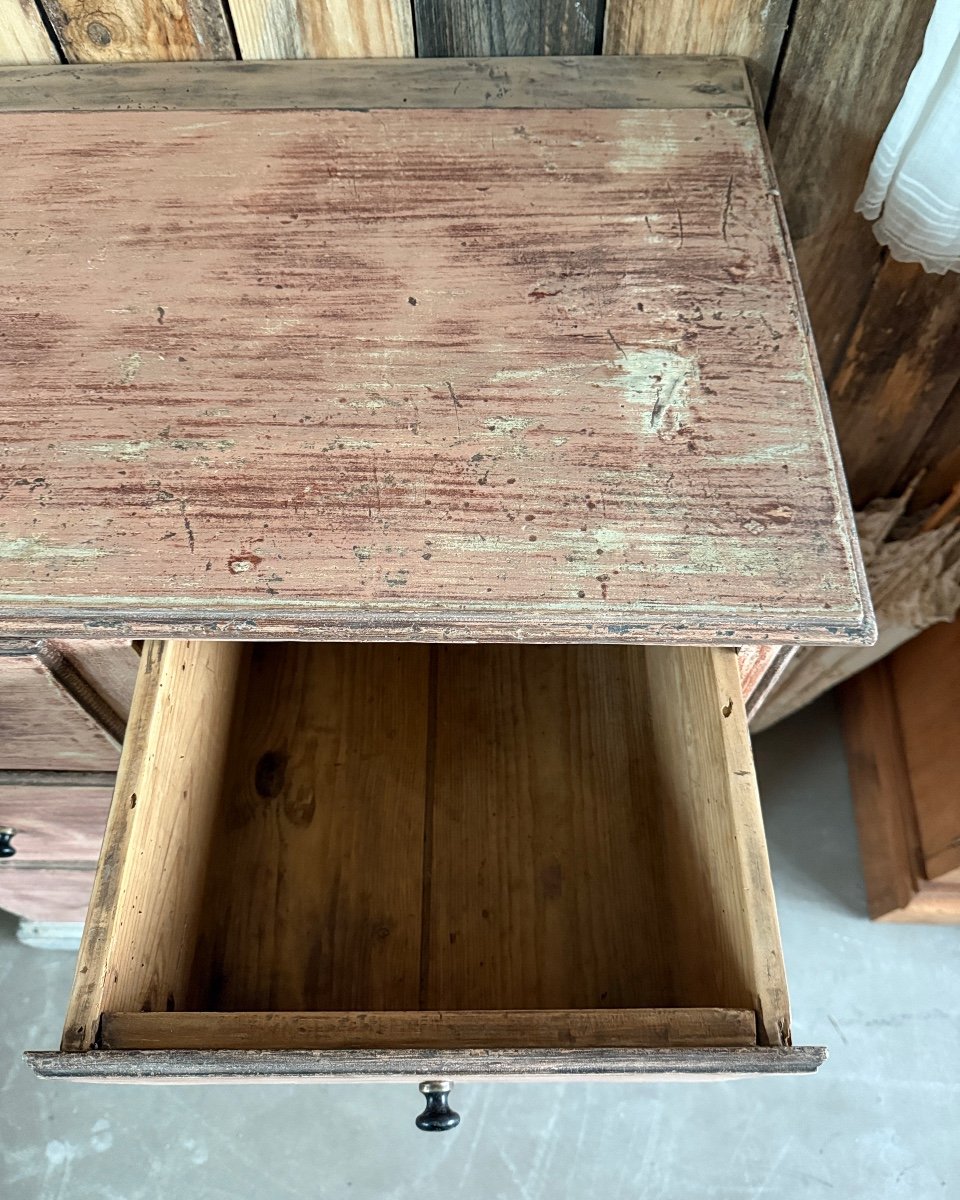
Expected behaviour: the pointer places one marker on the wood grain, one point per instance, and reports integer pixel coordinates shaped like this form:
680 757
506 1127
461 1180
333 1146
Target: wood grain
268 29
925 674
41 724
548 880
497 419
23 38
721 903
672 81
314 833
109 667
140 30
936 459
880 786
47 894
313 892
453 27
54 823
898 374
138 942
214 1066
751 28
841 78
427 1030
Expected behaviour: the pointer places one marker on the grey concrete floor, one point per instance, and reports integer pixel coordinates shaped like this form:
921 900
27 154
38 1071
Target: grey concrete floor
880 1120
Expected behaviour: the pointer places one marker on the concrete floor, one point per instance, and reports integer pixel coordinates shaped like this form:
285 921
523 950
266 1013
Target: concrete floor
880 1120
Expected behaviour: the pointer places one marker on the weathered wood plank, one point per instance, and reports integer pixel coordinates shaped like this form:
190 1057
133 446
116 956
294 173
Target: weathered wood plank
753 29
140 30
673 82
496 419
23 38
419 1030
522 27
842 76
268 29
937 457
265 1065
898 372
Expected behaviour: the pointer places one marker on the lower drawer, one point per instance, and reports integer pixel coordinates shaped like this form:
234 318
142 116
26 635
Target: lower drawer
338 860
49 821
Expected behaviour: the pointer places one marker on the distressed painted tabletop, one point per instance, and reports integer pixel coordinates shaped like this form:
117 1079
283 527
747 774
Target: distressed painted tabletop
533 373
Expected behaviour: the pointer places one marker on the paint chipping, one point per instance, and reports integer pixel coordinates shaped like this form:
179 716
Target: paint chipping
128 451
508 426
35 549
663 383
240 563
130 368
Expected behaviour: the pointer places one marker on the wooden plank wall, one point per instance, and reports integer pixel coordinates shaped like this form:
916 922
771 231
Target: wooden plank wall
829 74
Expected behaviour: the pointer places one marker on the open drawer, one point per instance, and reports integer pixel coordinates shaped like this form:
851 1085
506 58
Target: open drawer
337 860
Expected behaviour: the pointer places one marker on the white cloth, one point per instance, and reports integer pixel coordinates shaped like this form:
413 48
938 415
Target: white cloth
914 180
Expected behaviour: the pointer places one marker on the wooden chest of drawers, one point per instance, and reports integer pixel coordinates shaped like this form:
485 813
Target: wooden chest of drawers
346 366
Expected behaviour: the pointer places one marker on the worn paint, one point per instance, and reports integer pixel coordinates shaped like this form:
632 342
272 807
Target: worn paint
524 366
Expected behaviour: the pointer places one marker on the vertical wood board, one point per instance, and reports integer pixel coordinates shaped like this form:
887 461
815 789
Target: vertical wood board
753 29
898 374
269 29
140 30
510 27
842 76
23 38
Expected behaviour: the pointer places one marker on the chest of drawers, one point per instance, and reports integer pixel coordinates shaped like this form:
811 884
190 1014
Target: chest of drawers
441 426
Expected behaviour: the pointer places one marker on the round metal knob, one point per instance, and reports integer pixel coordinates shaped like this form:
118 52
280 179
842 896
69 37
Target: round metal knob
438 1115
6 837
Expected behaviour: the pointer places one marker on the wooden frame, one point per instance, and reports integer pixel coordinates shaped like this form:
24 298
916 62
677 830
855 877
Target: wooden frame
653 81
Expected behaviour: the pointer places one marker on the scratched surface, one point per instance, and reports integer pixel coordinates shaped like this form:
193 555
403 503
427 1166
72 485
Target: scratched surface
423 374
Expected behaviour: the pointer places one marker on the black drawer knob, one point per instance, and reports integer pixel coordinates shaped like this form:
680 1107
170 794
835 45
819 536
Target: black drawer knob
7 849
438 1115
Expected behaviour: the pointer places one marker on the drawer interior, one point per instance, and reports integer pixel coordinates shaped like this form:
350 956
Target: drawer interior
347 845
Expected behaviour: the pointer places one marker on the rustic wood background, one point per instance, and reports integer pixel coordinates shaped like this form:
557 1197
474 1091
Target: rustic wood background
829 74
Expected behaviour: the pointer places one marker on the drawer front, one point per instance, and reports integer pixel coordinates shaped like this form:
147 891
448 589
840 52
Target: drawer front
43 727
53 823
47 894
330 860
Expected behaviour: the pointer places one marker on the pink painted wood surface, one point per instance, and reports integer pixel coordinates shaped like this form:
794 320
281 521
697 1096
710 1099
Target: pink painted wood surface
42 727
57 894
54 824
424 374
